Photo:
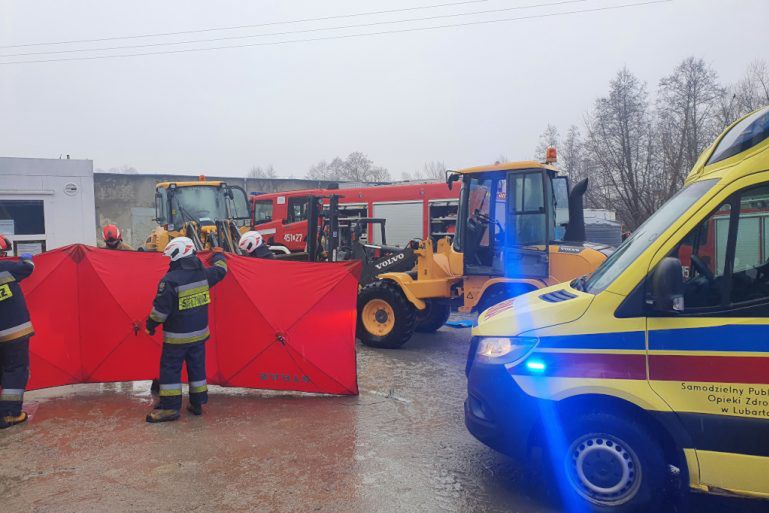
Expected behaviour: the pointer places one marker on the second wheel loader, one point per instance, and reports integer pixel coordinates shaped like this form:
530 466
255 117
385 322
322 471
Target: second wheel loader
210 212
520 228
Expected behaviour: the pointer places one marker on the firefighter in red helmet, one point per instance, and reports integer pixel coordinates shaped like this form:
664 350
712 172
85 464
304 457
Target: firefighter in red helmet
113 239
15 332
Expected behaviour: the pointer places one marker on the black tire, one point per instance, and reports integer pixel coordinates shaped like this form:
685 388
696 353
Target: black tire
385 292
497 294
433 317
610 464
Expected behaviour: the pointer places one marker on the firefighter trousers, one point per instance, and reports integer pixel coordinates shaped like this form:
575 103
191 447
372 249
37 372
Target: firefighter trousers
171 361
14 373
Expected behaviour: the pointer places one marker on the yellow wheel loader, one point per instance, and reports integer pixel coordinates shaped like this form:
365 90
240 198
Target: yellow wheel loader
211 213
520 227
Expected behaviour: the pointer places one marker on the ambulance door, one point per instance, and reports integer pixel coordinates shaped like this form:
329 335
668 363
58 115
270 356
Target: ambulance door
708 357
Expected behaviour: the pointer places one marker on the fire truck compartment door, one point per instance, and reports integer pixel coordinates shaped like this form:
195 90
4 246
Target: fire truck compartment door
404 221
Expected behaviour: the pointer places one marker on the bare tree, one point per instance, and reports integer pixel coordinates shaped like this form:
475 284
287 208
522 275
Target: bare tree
357 167
433 170
262 172
323 170
573 162
752 92
550 137
637 157
620 149
688 103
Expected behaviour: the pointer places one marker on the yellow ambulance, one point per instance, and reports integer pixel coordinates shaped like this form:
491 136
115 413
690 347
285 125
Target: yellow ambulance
657 364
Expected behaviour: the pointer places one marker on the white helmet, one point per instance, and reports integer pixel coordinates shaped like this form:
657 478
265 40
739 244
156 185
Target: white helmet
249 241
178 248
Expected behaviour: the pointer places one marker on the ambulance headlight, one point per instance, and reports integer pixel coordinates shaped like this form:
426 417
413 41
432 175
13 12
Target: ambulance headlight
509 349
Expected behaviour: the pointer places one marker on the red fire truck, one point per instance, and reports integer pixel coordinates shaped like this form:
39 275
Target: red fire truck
411 210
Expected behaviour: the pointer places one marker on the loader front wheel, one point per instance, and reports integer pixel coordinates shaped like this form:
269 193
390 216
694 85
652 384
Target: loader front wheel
433 317
385 317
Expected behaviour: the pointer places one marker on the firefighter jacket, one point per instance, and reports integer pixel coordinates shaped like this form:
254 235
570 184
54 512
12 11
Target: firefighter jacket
14 316
262 252
182 299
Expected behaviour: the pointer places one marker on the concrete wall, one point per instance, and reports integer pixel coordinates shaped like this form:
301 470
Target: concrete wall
66 189
128 200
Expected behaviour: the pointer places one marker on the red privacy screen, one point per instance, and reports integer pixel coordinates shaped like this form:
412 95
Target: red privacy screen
274 325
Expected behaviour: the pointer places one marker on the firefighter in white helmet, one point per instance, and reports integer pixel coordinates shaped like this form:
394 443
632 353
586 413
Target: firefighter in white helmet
181 306
253 245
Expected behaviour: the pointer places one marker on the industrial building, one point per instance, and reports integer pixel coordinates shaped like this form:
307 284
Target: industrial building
46 203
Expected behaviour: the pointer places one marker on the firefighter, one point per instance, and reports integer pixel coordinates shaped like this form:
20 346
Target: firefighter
253 245
181 306
113 239
15 331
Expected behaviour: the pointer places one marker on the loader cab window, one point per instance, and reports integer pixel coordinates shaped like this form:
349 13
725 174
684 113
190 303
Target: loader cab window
481 234
262 211
161 206
560 205
528 211
297 209
237 205
201 204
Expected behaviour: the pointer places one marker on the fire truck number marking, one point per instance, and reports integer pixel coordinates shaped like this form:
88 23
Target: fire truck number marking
292 237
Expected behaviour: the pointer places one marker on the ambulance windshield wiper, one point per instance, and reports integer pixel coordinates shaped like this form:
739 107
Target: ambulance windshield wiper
579 283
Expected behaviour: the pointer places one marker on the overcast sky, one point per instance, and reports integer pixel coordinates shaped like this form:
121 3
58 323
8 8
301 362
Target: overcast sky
463 95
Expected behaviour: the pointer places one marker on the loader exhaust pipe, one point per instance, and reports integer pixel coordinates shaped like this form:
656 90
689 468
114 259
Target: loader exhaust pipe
575 230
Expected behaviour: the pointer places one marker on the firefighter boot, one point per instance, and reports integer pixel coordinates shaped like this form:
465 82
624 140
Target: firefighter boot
11 420
158 415
195 409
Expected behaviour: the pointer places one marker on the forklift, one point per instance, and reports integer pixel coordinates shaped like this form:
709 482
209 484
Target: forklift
333 238
520 228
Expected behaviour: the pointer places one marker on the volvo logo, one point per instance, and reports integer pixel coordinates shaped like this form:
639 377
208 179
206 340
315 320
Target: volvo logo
390 261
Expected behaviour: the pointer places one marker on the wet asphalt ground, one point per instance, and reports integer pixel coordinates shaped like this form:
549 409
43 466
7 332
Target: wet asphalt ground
400 446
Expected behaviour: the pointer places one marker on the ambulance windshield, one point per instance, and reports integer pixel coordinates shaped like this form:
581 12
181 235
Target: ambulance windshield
644 236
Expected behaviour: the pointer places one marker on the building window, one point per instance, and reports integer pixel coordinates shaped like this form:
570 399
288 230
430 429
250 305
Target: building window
22 217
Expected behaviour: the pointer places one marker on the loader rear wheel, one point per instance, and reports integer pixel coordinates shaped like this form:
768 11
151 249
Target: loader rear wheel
385 317
433 317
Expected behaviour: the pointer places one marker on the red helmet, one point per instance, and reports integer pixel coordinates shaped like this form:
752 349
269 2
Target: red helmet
111 233
5 245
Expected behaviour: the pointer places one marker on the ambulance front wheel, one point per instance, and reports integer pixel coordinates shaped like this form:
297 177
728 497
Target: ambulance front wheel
611 464
386 318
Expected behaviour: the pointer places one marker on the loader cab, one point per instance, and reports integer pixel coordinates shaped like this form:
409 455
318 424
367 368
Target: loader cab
508 218
203 203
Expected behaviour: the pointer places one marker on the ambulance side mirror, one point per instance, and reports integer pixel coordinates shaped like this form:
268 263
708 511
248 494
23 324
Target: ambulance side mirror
668 286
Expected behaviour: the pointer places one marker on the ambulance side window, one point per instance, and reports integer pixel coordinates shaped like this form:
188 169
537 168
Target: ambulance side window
725 259
703 257
750 278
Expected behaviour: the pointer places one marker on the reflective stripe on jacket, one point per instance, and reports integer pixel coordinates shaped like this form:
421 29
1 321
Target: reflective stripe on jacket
14 316
182 299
